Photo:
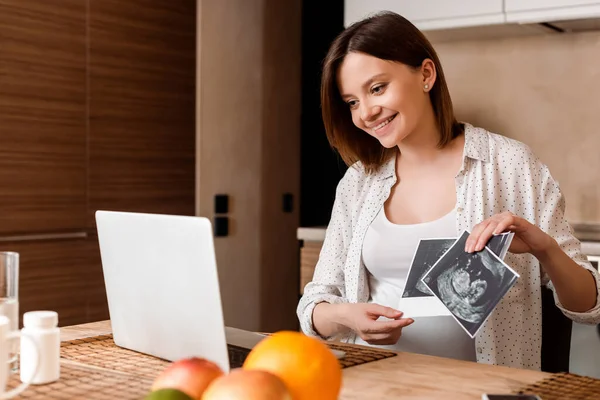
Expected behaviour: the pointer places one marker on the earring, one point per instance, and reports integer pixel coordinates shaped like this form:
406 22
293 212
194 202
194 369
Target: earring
426 87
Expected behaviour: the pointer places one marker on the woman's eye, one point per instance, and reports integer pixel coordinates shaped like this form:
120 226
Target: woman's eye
378 89
352 103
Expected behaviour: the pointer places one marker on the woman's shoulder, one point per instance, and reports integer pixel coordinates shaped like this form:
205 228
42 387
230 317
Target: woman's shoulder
357 176
358 182
353 180
501 149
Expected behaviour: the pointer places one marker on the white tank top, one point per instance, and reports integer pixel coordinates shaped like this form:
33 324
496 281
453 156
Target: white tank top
387 253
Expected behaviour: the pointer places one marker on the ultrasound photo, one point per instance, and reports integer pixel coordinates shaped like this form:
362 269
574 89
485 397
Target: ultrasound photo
469 285
500 244
427 254
429 251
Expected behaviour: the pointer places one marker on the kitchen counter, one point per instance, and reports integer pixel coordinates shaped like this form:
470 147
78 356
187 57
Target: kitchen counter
405 376
312 234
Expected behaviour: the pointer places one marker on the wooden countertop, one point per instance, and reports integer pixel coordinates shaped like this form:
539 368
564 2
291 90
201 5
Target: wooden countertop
406 376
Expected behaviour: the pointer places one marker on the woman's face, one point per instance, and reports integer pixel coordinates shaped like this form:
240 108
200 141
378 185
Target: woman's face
388 100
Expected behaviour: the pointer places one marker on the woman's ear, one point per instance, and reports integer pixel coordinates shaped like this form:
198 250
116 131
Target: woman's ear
428 73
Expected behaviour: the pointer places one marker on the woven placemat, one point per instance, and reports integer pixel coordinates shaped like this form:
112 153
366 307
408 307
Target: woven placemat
565 386
360 355
101 351
82 382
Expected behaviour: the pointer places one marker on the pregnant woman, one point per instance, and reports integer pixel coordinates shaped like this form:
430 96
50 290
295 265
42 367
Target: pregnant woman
416 172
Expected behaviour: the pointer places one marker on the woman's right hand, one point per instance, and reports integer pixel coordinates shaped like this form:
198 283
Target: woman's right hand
363 319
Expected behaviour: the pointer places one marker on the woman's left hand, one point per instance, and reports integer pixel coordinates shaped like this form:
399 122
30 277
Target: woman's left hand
528 237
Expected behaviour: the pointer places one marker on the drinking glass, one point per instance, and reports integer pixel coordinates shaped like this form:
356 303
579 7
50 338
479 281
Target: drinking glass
6 336
9 297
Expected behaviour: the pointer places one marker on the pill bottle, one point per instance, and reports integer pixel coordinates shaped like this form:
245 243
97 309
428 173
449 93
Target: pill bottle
41 327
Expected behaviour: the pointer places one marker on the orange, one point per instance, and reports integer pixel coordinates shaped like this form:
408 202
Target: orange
305 364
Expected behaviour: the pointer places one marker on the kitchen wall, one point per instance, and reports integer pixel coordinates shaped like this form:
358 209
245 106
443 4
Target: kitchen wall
543 90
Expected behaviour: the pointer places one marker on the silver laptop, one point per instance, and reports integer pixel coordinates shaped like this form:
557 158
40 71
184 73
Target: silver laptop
163 290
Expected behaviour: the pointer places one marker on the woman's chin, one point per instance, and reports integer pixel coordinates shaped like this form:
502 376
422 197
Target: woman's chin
387 145
388 141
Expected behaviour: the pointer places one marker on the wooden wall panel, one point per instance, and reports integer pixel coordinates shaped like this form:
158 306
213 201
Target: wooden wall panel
280 163
42 115
142 99
309 255
229 146
248 147
61 275
97 111
93 279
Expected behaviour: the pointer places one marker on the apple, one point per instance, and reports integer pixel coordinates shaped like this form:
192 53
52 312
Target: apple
247 385
189 375
167 394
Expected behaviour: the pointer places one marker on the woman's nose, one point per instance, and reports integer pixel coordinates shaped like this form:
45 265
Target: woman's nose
369 112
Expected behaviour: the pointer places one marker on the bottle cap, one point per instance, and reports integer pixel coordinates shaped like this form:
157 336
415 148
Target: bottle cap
40 319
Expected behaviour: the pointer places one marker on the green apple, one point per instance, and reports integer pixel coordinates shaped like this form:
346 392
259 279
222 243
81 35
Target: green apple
167 394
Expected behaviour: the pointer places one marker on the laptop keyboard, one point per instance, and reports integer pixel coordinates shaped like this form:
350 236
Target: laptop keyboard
237 355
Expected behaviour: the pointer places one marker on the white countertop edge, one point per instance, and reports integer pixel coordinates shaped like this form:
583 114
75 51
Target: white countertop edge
314 234
590 248
317 234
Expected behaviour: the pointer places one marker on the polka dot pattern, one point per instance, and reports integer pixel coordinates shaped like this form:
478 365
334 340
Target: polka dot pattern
498 174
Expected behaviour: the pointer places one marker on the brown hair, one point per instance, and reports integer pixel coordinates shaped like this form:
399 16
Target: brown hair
387 36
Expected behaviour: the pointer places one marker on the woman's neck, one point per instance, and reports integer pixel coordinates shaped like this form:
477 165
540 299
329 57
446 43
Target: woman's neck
421 149
421 146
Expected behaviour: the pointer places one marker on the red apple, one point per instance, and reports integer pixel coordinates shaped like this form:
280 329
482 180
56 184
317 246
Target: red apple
247 385
190 375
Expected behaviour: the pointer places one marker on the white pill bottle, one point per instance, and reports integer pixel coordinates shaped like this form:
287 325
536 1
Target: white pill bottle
42 328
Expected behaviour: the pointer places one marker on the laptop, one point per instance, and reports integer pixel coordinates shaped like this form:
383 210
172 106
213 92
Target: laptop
162 287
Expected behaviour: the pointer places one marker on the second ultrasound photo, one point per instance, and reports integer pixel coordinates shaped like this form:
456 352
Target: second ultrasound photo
469 285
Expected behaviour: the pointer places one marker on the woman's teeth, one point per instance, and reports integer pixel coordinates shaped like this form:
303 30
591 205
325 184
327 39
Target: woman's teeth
384 123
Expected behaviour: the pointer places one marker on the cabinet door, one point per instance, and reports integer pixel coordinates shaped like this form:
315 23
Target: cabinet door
42 116
142 106
61 275
550 10
530 5
430 14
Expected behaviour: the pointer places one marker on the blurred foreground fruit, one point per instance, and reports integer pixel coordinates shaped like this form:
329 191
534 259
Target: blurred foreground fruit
167 394
190 375
240 384
305 364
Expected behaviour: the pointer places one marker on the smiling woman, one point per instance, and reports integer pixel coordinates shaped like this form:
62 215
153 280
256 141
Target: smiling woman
415 173
418 89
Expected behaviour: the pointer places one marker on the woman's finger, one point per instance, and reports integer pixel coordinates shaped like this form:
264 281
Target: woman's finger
379 310
383 338
474 236
385 327
484 237
507 220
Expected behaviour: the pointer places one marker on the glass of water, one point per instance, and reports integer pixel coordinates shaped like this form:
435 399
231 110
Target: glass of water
9 297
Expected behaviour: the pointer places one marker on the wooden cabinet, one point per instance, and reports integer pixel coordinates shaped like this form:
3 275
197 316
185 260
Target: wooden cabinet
550 10
431 14
248 105
61 275
42 116
142 106
97 111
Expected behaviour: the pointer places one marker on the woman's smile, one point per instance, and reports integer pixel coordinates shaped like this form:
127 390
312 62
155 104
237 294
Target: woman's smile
385 126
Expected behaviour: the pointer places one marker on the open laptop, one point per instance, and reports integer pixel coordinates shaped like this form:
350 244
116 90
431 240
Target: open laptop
163 291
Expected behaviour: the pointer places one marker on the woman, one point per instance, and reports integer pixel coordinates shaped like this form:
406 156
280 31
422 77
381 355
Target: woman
415 172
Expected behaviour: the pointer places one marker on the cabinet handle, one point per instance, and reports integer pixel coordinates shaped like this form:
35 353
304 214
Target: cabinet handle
43 236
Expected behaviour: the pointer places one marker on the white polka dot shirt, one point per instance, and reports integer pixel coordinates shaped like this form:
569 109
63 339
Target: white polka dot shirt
498 174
